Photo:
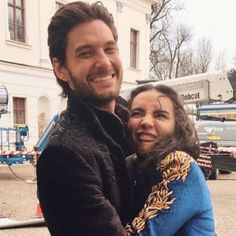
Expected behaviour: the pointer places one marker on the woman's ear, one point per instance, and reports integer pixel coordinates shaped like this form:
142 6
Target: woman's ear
59 70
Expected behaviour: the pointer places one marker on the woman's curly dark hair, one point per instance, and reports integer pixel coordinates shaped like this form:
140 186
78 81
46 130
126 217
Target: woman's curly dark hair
184 138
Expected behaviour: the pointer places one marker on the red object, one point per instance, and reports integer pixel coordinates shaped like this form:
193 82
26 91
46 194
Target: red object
38 211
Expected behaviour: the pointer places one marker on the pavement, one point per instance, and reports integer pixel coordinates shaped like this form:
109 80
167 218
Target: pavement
18 201
223 194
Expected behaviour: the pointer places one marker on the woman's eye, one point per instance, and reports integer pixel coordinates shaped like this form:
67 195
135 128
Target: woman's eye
160 115
135 114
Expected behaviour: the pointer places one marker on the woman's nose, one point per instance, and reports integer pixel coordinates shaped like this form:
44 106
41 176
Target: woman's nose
147 121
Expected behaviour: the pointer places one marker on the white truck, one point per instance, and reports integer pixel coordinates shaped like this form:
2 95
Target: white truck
217 123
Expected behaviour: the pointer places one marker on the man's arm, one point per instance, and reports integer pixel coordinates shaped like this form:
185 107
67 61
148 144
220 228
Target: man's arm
71 195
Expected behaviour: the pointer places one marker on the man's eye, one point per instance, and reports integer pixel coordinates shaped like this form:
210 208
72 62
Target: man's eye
86 54
110 50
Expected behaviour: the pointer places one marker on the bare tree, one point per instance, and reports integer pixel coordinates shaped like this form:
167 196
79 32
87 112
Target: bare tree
166 57
160 38
186 63
220 63
234 59
183 36
203 56
170 54
161 12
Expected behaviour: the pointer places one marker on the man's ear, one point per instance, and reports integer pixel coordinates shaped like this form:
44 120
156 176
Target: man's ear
59 70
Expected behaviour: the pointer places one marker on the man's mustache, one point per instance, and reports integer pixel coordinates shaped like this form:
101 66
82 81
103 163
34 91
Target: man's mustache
101 73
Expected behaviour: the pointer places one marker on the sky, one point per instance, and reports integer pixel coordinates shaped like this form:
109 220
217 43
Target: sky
213 20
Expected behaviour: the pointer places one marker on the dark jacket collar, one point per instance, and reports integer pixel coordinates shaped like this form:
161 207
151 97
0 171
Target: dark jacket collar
111 125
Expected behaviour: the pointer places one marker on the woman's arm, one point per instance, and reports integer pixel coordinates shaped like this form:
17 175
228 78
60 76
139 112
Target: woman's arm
181 199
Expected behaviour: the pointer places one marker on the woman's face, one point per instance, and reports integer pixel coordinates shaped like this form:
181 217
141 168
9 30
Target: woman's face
151 118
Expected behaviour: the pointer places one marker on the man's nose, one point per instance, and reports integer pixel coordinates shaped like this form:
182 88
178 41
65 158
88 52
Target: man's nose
102 60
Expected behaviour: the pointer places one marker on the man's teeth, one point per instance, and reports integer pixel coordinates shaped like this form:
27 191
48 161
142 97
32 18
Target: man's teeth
104 78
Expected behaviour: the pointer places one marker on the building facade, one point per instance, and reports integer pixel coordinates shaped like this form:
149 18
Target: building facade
25 68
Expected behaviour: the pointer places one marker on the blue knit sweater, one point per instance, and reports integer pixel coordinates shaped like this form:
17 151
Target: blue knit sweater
179 203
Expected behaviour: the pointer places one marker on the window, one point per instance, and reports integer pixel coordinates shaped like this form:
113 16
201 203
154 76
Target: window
133 48
59 5
19 110
16 21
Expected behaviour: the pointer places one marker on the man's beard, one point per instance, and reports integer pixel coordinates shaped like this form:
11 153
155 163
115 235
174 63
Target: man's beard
99 101
92 97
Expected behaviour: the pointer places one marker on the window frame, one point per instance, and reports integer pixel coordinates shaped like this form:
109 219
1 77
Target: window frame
15 26
134 34
19 112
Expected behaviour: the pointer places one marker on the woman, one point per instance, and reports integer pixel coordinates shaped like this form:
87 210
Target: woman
170 190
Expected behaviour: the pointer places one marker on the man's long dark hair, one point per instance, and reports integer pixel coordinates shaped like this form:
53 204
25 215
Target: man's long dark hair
184 138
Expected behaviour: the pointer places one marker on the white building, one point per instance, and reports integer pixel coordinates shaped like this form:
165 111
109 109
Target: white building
25 68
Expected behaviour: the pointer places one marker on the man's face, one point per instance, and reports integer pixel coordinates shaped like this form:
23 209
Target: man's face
93 69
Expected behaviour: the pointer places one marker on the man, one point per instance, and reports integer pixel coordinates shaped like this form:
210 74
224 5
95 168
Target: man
82 179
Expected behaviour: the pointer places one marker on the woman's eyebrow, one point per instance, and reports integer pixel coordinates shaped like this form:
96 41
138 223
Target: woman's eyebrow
136 109
163 111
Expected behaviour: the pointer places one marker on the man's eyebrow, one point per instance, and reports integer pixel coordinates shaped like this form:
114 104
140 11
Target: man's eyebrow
89 47
112 42
83 47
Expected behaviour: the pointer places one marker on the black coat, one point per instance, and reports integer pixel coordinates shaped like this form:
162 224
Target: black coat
82 177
